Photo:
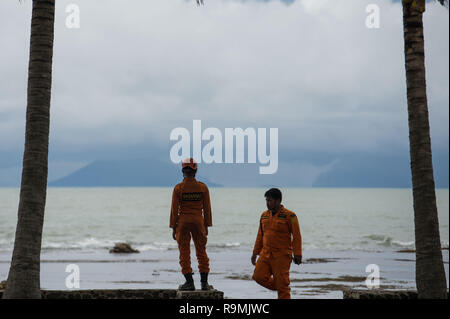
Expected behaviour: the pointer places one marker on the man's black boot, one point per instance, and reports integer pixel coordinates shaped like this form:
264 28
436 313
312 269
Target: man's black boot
189 284
204 281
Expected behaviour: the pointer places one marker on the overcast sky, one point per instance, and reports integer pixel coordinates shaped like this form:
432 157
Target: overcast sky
137 69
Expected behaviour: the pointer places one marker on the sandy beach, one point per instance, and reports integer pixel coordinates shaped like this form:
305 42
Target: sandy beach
323 275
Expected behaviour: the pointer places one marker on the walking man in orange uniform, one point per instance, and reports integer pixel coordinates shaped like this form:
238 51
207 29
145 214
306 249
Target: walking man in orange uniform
278 243
190 216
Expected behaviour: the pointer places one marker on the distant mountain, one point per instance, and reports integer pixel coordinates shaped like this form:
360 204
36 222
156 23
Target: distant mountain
379 170
296 169
137 172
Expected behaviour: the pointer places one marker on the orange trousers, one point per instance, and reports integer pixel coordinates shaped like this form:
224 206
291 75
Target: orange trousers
187 228
272 272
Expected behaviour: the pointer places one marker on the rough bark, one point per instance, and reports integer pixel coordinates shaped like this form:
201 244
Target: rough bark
24 274
430 274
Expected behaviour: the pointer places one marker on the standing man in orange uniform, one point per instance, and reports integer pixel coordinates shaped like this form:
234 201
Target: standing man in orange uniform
278 243
190 216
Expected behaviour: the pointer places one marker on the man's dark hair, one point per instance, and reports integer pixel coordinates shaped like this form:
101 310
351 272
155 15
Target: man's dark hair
274 193
189 171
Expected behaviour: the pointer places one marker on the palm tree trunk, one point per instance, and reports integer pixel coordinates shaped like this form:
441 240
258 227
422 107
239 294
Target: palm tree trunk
430 274
24 274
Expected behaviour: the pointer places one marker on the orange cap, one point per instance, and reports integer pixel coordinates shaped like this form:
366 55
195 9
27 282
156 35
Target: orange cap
189 162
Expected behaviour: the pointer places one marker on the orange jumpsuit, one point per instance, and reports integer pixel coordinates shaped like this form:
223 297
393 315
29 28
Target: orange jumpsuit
190 213
278 239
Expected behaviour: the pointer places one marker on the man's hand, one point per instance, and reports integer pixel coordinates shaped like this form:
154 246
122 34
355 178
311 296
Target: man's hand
297 260
206 230
254 259
174 233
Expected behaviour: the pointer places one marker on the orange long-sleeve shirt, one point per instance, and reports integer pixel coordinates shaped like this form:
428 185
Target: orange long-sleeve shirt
279 233
190 198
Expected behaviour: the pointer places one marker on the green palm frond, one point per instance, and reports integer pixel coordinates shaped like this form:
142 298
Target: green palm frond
443 2
420 4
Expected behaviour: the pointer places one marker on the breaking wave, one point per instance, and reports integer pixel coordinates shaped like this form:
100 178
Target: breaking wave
387 241
93 243
365 243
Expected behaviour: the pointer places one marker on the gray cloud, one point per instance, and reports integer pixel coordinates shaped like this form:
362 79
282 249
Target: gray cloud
132 73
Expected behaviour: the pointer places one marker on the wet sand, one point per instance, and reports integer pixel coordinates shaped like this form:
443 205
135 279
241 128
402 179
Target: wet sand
324 274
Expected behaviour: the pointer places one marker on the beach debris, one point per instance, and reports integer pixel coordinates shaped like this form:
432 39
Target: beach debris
239 277
320 260
413 250
344 278
3 285
123 248
406 251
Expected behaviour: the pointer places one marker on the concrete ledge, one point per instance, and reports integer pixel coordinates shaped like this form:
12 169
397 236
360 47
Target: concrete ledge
380 294
129 294
199 294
